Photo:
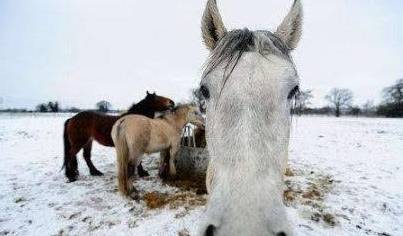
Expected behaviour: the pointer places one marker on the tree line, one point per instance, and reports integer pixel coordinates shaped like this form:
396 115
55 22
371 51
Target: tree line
340 102
54 107
101 106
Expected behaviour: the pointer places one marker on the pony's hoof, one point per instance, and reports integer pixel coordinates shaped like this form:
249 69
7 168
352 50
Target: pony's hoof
163 172
134 195
71 179
168 177
172 177
141 172
144 173
72 176
96 173
163 175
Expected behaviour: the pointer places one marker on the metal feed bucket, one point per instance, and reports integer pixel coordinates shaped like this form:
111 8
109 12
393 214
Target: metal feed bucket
191 161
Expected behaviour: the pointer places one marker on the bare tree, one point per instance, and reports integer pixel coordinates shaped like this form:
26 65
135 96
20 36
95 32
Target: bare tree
48 107
393 100
355 111
42 107
103 106
339 99
394 93
53 106
73 109
368 108
303 101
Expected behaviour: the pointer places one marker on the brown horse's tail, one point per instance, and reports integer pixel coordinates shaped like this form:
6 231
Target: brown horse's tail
122 153
67 145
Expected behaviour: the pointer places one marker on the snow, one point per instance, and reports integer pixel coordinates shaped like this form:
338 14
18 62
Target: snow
348 180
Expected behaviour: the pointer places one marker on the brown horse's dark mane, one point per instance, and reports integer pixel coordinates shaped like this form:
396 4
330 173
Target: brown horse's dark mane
142 107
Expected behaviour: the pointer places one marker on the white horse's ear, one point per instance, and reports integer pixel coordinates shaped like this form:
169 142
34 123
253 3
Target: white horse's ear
213 28
290 30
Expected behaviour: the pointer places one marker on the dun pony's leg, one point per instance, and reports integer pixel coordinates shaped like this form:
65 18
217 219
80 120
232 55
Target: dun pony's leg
141 172
164 159
134 159
131 170
172 156
87 156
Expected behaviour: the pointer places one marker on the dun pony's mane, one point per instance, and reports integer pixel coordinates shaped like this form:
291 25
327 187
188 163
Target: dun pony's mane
180 106
236 42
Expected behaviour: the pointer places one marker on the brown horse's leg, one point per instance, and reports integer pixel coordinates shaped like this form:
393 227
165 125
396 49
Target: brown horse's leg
72 165
87 156
67 164
141 172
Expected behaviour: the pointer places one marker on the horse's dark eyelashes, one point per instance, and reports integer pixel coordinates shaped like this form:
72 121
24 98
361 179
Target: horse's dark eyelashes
204 92
293 93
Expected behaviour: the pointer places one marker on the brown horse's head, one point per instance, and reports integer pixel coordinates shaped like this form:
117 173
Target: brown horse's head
158 103
150 104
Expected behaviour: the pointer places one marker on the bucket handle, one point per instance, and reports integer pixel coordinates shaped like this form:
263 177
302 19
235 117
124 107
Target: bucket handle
188 132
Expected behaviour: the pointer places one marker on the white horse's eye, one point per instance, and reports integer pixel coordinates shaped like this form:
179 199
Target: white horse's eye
204 92
293 93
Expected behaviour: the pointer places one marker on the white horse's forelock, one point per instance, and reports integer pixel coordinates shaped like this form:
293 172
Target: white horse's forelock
249 78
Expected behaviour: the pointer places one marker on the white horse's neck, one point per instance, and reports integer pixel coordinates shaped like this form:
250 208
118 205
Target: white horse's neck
250 170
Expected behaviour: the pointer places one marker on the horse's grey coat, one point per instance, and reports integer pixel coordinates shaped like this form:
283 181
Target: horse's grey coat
249 77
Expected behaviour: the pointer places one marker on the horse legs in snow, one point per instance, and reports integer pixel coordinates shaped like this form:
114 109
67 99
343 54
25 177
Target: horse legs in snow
72 165
164 159
87 156
131 170
141 172
172 157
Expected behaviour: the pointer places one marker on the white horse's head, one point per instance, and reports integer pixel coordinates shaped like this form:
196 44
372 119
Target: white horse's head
248 86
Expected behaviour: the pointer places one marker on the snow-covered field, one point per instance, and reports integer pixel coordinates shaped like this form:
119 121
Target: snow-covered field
347 180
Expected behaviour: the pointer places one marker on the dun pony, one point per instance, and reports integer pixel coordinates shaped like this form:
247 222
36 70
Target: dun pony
135 136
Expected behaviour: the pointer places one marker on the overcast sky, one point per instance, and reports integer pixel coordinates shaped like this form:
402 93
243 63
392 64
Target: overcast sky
79 52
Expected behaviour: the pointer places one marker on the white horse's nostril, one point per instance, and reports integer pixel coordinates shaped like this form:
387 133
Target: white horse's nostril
281 234
210 230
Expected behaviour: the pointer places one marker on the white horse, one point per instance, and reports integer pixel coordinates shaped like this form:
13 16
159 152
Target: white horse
248 85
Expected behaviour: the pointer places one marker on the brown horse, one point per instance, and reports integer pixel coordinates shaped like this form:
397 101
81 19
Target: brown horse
83 128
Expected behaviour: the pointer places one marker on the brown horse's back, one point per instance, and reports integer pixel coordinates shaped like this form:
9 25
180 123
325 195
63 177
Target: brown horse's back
90 125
